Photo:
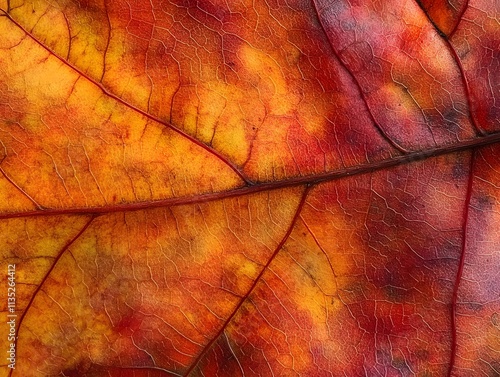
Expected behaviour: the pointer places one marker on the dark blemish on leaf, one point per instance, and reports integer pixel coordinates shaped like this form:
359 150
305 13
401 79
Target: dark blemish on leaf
348 25
396 294
401 365
460 170
463 51
474 306
383 356
422 354
452 120
451 250
483 202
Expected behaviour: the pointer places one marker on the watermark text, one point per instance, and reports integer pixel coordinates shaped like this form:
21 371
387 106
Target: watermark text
11 315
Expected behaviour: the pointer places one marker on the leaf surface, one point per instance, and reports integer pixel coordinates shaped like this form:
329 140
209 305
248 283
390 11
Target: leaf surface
204 188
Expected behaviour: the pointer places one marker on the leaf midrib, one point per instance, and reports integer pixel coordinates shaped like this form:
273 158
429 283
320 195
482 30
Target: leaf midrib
309 180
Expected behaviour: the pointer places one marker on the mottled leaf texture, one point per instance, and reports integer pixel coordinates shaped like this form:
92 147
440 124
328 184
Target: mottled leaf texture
250 187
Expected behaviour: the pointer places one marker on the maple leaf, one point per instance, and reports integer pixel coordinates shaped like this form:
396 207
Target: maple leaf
254 188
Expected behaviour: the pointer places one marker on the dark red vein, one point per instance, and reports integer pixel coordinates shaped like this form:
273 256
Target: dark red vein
460 266
456 58
256 281
465 83
259 187
358 85
133 107
44 279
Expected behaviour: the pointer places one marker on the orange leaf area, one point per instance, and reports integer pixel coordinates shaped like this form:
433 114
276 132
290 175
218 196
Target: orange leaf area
250 188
